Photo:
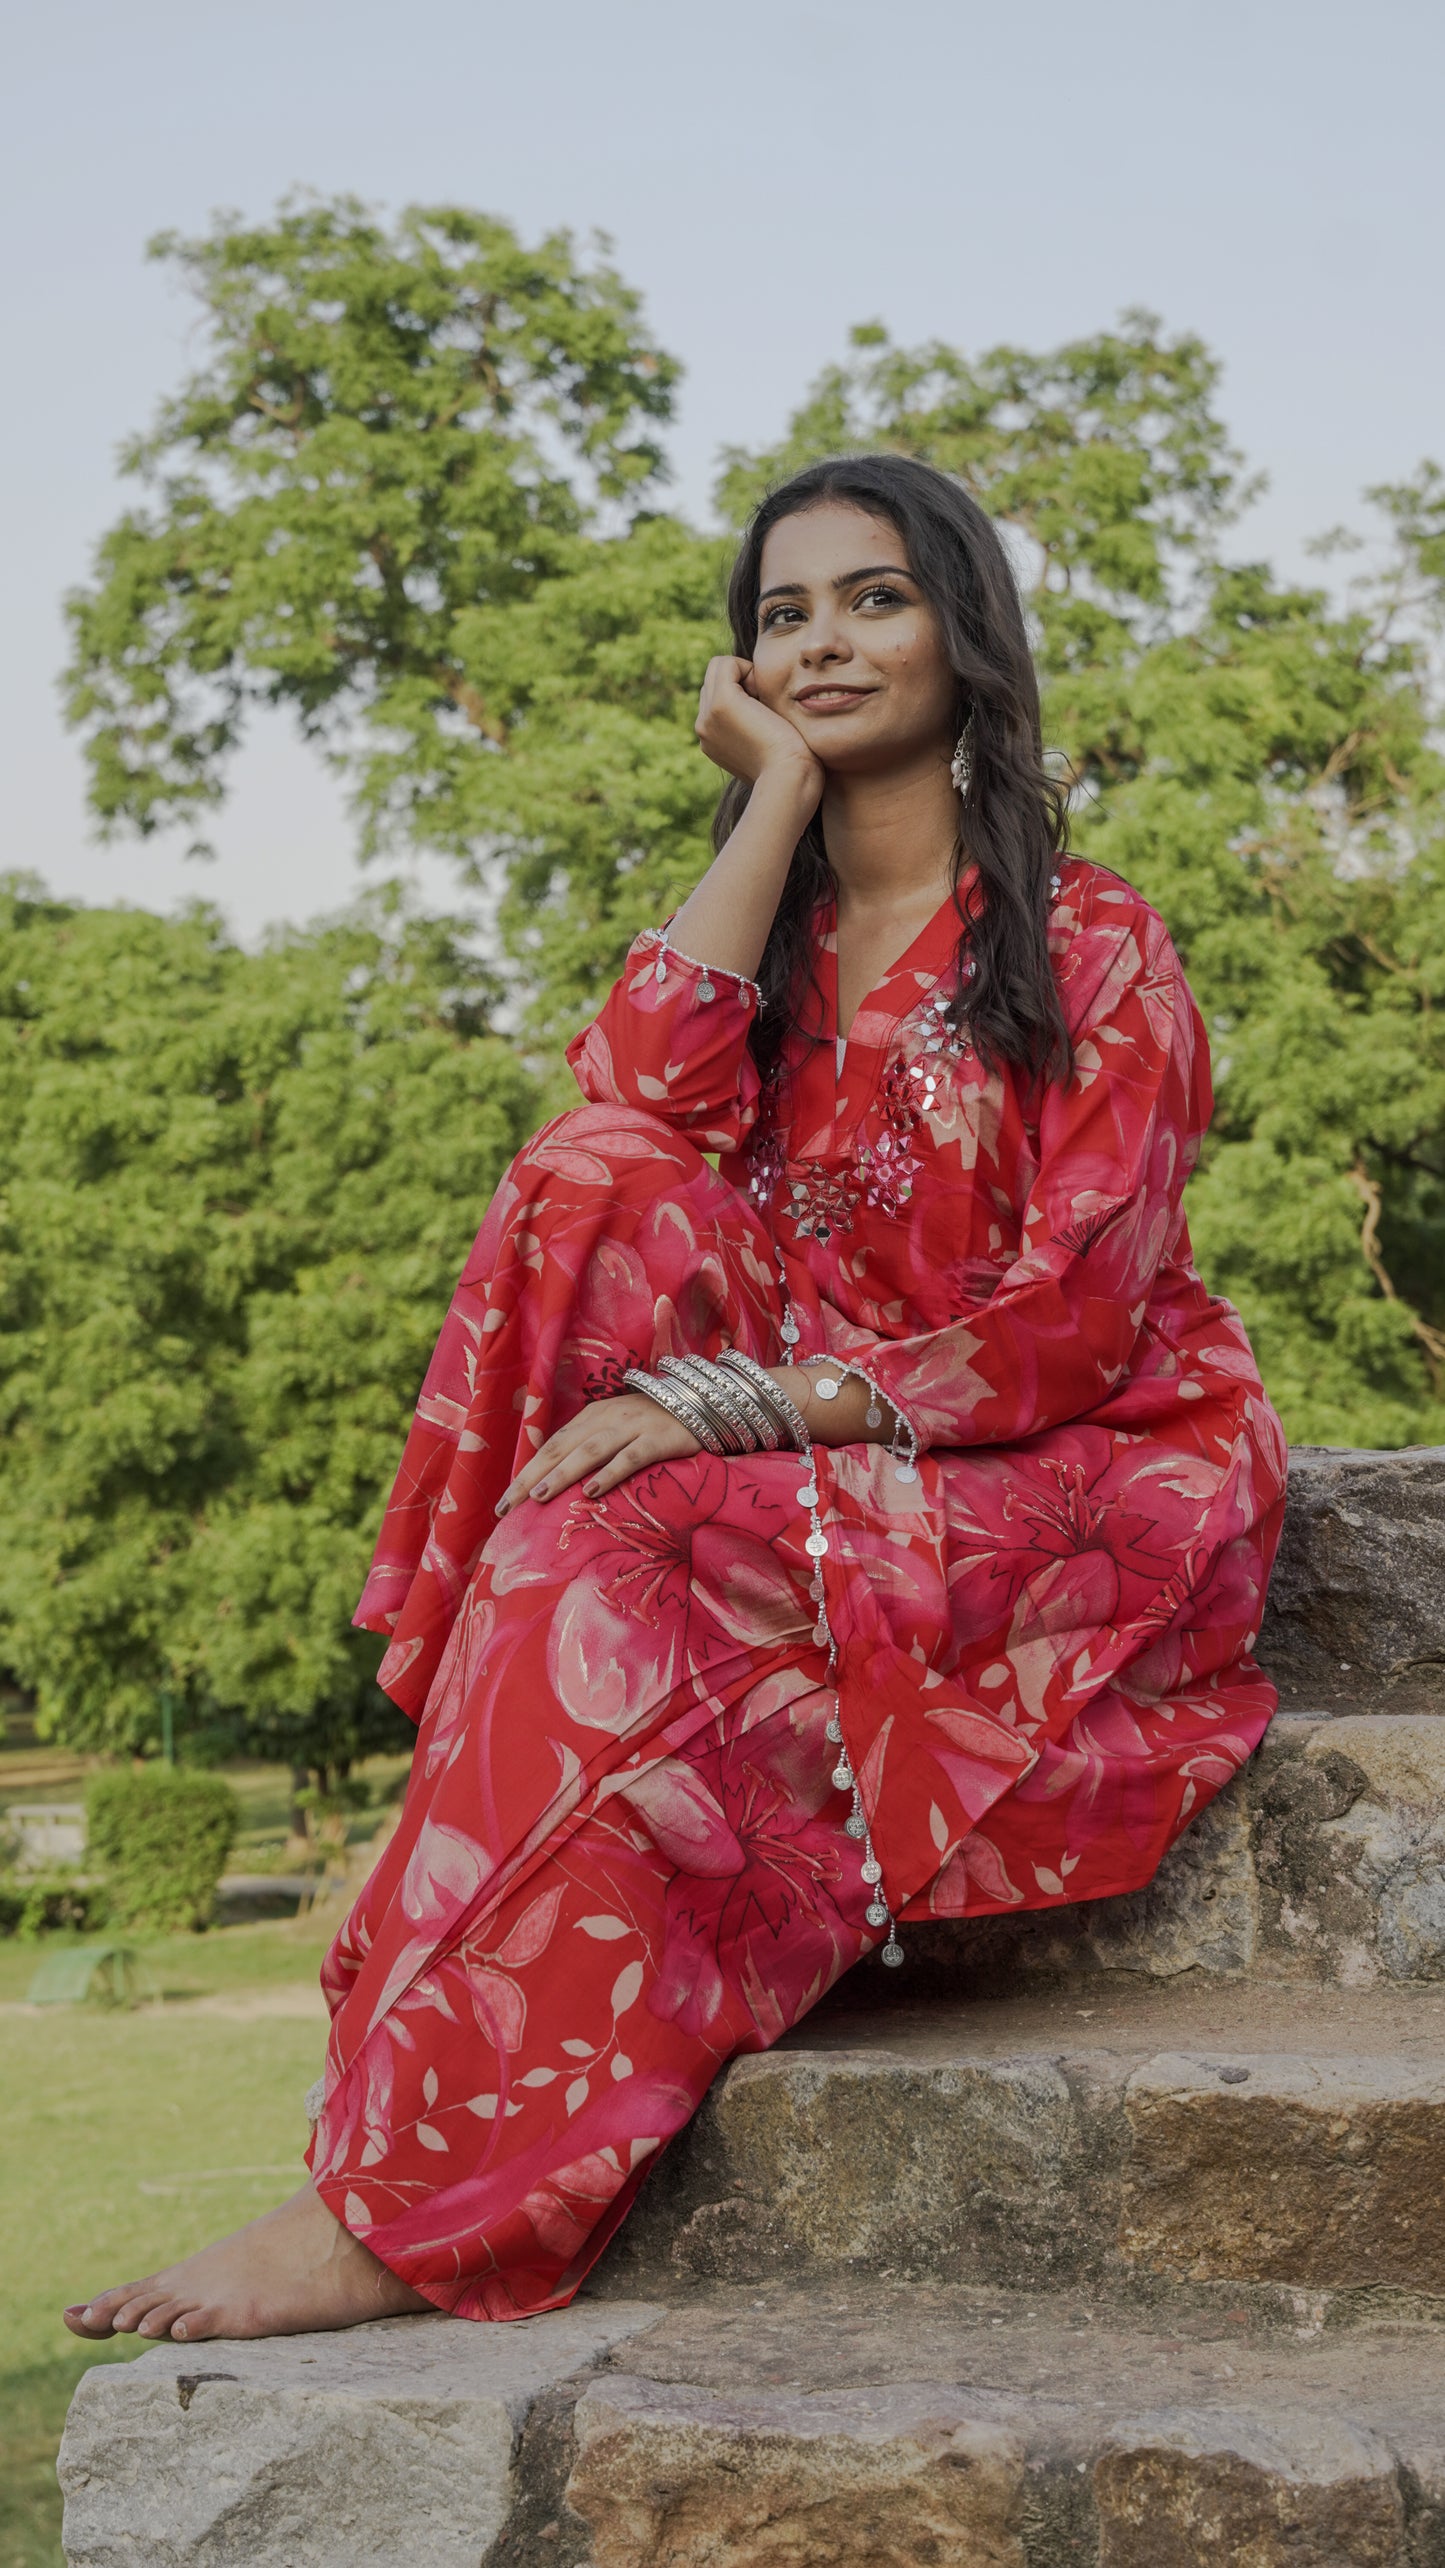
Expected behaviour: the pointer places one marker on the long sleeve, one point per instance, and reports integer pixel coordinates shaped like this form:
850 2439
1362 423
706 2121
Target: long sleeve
1116 1144
672 1037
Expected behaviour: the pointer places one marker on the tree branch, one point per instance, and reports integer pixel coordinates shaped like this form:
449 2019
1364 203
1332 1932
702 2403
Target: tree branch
467 701
1430 1339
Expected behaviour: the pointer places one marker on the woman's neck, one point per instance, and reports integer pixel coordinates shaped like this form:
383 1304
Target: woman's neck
891 838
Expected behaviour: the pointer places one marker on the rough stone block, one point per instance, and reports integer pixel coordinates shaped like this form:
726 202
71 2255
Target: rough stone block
394 2442
802 2163
901 2476
1349 1849
1358 1590
1286 2169
1202 2490
1324 1860
1199 1913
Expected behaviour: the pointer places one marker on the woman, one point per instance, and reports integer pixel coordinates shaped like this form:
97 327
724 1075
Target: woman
702 1719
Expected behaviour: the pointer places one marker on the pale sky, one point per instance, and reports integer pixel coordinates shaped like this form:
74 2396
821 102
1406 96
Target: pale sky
1268 174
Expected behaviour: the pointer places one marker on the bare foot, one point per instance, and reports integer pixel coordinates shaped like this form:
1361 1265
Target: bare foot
294 2269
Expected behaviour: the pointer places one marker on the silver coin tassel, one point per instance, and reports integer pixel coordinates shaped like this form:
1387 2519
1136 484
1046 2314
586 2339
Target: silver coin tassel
878 1912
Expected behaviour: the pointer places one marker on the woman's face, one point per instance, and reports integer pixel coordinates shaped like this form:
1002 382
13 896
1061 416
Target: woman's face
848 648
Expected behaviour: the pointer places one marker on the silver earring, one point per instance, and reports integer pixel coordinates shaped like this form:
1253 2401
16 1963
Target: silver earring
962 768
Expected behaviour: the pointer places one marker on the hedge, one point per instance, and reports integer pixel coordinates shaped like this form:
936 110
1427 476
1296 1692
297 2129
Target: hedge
161 1835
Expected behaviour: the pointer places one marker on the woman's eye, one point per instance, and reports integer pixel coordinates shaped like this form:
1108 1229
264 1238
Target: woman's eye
881 595
775 615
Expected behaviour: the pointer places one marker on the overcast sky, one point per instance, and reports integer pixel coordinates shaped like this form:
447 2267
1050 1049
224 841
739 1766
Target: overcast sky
1268 174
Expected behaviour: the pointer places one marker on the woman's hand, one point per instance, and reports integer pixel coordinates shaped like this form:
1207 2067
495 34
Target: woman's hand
606 1442
743 736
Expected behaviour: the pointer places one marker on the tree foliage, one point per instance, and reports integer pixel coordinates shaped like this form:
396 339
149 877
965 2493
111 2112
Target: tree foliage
161 1836
234 1193
398 437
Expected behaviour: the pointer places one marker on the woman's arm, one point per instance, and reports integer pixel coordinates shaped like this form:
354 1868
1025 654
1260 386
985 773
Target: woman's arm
725 922
669 1038
611 1439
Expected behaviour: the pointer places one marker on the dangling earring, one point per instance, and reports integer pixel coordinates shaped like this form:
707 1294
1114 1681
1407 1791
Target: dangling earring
962 768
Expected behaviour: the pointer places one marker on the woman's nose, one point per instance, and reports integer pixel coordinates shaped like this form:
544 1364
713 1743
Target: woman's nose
820 642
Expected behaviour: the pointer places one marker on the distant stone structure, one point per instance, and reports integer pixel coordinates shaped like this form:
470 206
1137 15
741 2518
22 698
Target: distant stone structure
42 1833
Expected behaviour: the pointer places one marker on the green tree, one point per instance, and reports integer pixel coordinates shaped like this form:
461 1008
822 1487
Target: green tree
234 1193
398 437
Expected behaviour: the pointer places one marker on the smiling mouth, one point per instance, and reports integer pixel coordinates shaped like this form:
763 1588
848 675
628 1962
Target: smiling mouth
832 699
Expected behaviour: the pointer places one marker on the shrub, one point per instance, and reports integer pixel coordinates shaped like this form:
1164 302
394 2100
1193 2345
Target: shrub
162 1835
36 1904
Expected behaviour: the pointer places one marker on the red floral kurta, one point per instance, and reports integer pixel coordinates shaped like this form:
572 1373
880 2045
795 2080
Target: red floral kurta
622 1856
1045 1642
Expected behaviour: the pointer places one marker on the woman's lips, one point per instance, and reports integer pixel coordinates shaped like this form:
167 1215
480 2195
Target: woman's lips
832 699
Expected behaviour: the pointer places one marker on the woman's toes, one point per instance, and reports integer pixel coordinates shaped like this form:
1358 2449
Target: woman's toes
193 2324
98 2317
158 2321
127 2316
82 2320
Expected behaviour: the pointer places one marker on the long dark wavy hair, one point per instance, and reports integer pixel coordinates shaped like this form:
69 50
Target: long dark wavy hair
1013 820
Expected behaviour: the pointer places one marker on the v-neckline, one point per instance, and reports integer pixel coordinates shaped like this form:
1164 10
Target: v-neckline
923 961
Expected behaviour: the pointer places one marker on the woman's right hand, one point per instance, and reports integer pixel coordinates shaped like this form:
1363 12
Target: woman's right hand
745 737
605 1443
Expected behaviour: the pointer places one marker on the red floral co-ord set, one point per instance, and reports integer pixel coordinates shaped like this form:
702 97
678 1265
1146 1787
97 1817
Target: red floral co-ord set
623 1856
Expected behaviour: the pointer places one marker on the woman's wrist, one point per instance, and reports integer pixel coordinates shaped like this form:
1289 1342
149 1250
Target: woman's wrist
841 1419
789 784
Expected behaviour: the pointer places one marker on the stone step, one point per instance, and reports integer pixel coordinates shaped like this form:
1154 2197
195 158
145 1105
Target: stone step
1323 1861
786 2426
1357 1600
1220 2135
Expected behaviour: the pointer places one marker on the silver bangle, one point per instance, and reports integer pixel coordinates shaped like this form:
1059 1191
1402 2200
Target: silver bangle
790 1416
770 1431
693 1376
684 1406
737 1399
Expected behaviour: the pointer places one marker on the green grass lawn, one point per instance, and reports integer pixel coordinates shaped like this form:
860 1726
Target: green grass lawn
127 2140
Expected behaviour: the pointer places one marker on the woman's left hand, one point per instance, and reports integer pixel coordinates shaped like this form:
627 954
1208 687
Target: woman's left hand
606 1442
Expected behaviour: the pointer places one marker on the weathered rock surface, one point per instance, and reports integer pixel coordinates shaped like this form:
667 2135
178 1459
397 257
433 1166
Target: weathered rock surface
870 2478
784 2426
1324 1860
1296 2492
1286 2169
392 2443
1358 1592
1165 2133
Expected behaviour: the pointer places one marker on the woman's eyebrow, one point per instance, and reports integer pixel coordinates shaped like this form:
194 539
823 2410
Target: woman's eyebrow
874 571
845 579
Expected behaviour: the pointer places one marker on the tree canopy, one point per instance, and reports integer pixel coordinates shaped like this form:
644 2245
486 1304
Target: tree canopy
413 492
397 437
234 1193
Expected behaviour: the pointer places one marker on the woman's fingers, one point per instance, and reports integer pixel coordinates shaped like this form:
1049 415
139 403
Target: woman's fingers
592 1447
610 1475
556 1464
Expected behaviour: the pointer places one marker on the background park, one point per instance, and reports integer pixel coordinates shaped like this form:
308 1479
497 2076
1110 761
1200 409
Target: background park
414 556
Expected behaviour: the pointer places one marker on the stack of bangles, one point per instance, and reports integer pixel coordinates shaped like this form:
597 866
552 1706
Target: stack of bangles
733 1406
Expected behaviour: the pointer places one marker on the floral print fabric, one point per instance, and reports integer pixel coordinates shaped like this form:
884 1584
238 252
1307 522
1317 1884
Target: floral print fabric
1044 1640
